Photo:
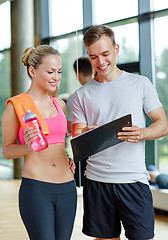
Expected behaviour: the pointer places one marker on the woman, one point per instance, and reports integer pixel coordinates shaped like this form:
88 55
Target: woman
47 196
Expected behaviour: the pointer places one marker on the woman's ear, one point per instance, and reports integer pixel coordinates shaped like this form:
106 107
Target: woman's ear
31 71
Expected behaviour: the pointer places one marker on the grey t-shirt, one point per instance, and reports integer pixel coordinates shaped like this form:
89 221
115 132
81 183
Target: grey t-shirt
98 103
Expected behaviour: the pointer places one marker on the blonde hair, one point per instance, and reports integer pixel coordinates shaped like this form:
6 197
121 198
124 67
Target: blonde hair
32 56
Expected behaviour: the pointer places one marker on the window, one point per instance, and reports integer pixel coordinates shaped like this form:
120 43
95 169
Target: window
70 48
65 16
161 60
108 10
5 42
128 42
5 39
161 4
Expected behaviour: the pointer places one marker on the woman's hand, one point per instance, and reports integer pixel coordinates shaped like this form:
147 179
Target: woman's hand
30 135
71 164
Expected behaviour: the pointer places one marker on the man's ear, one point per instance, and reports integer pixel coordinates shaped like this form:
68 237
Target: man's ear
79 75
117 48
31 71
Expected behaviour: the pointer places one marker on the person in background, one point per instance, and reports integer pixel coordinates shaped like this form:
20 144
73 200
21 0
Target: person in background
157 179
116 187
84 72
47 195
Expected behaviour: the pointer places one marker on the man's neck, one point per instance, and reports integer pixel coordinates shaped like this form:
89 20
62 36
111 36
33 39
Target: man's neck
114 75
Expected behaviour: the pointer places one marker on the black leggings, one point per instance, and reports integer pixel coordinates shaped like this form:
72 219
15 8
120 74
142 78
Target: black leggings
48 209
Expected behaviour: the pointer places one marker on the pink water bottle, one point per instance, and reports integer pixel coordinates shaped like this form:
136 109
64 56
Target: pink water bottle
40 142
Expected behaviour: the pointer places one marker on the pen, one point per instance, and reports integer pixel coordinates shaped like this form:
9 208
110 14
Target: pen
80 127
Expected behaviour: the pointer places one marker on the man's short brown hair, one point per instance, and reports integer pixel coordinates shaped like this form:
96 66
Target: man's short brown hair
96 32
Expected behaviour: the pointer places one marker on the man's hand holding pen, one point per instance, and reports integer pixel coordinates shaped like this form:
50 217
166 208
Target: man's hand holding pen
82 128
87 128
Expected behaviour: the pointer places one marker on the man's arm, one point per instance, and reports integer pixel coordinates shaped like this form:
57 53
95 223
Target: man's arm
69 126
78 128
69 114
157 129
159 126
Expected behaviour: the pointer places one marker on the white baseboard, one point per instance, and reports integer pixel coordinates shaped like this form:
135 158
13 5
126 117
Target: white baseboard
160 198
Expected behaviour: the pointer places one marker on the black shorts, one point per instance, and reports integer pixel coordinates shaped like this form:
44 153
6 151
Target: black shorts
106 205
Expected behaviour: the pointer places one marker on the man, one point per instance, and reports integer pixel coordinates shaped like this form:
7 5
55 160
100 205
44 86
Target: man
84 72
116 186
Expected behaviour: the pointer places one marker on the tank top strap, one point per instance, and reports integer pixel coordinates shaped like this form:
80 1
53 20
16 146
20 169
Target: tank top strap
56 104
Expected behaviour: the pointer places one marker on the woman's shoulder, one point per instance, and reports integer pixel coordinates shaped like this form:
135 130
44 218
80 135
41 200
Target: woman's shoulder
18 97
61 103
9 113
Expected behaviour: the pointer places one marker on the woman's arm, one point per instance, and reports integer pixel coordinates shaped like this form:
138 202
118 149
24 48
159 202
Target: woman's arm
10 127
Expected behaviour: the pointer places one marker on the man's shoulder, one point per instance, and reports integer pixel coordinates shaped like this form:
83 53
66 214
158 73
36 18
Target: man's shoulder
135 76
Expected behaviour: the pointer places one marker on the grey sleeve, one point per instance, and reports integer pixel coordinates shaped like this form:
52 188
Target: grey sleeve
78 110
69 108
151 100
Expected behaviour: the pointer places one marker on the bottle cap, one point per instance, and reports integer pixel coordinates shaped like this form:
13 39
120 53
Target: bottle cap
30 115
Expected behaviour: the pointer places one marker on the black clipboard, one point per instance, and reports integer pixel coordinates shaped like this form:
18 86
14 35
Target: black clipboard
98 139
